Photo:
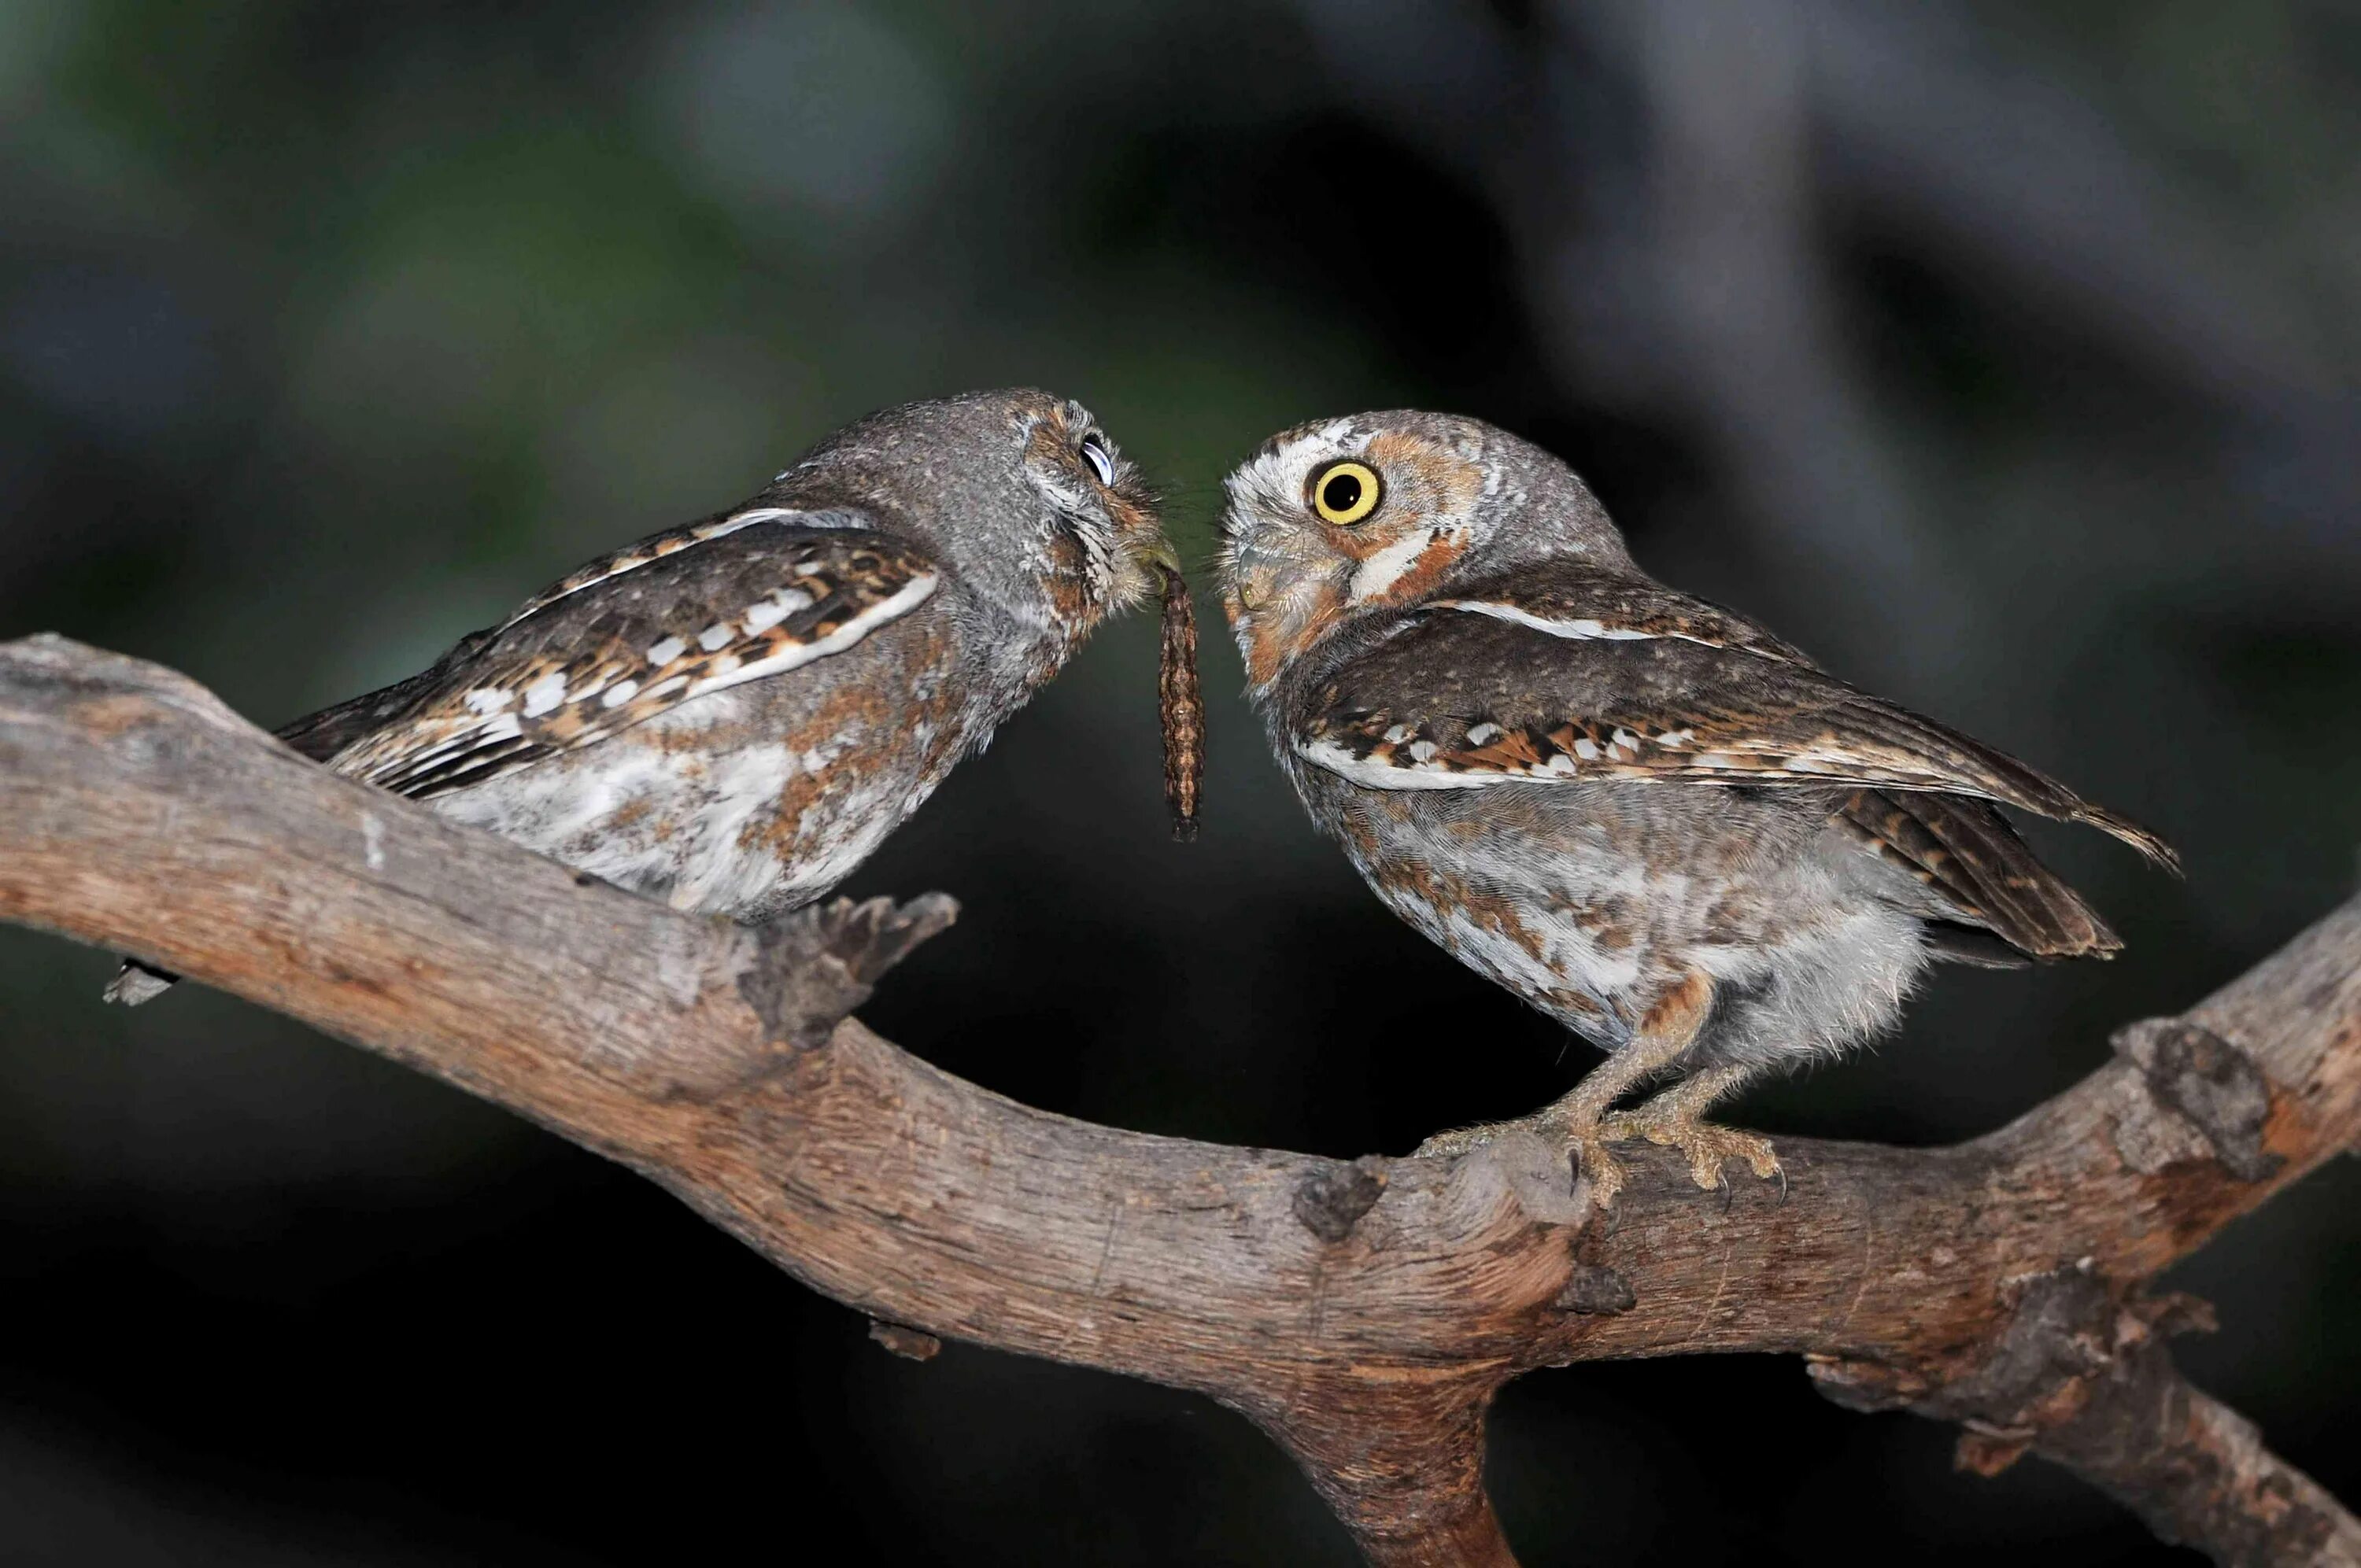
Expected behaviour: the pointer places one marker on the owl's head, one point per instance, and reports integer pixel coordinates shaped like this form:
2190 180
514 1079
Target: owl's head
1333 521
1021 494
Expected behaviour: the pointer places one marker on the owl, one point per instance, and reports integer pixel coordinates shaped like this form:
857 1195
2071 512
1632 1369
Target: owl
1649 817
730 716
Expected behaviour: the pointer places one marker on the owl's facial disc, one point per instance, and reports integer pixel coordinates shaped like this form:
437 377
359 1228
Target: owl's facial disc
1334 519
1105 546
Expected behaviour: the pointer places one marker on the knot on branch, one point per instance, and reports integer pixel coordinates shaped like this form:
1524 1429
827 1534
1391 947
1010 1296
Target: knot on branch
1331 1200
2205 1086
813 967
2073 1352
1594 1290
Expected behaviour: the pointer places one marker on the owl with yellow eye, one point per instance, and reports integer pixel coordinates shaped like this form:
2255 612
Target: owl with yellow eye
1647 816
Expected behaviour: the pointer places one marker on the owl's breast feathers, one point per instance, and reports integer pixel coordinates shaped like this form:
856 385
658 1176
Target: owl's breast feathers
1563 676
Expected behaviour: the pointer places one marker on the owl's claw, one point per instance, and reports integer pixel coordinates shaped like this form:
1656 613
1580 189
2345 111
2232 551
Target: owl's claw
1596 1165
1671 1122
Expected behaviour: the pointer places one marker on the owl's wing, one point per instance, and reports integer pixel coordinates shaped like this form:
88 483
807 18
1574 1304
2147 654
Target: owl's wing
1571 678
656 546
321 735
620 641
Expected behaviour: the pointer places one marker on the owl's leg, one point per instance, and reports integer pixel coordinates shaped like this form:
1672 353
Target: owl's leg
1675 1119
1667 1030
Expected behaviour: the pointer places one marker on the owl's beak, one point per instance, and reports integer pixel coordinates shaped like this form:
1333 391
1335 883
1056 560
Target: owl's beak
1145 556
1255 569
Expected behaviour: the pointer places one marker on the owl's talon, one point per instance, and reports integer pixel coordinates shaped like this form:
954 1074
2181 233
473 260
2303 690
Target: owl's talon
1593 1164
1670 1121
1710 1147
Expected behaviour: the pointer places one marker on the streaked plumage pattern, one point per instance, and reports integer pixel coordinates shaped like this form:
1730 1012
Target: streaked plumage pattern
1645 815
731 715
582 669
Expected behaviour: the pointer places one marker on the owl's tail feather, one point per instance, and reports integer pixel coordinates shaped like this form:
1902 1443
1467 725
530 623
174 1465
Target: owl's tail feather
1964 851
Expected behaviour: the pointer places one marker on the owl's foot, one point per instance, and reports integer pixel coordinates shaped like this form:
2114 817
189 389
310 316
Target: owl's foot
1590 1160
1674 1119
1582 1122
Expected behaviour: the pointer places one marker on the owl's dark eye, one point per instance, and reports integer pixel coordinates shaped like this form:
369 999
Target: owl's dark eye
1344 493
1095 453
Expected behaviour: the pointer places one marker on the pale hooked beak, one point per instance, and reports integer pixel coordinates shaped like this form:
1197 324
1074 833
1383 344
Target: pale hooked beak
1255 571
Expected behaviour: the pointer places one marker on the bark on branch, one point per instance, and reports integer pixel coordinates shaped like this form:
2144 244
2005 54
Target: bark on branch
1363 1312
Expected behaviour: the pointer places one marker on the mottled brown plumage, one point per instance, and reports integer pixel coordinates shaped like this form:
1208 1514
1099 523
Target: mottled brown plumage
731 715
1648 816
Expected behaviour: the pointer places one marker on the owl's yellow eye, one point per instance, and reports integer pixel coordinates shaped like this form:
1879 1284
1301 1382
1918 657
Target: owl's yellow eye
1346 492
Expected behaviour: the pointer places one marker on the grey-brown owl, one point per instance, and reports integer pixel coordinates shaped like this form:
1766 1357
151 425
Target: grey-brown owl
731 715
1652 819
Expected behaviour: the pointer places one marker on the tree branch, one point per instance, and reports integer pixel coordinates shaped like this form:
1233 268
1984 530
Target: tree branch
1362 1313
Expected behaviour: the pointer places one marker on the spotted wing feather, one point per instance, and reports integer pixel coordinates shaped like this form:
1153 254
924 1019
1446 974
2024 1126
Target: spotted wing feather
574 669
1520 689
321 735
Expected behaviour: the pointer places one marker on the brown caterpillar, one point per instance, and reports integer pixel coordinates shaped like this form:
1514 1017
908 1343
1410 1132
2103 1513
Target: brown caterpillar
1176 702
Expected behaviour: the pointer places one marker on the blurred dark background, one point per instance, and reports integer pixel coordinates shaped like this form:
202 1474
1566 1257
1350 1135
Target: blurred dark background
2002 354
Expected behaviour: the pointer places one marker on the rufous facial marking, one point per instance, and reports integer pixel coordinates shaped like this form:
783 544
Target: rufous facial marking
1330 519
1109 550
1424 524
